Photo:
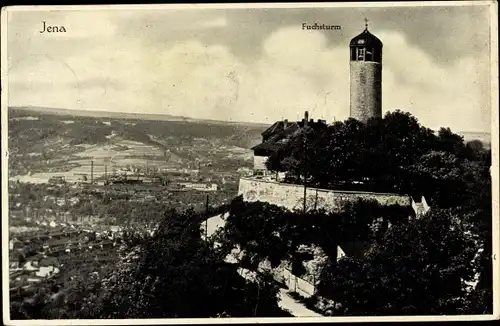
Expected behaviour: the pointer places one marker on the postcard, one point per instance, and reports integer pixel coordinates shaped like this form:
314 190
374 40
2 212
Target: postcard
249 163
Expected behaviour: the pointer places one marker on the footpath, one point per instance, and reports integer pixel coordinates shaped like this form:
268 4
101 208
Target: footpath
285 301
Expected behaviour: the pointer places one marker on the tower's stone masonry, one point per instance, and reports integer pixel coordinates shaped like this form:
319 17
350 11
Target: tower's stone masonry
366 90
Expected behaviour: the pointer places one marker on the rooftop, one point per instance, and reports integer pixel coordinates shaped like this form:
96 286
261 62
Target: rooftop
275 136
366 39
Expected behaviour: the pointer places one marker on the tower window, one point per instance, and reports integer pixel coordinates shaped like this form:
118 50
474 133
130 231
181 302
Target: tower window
369 55
361 54
353 54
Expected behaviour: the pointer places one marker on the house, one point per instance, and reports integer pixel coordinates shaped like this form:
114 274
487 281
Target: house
101 182
81 177
30 266
199 186
274 137
57 180
34 279
74 200
48 266
243 170
18 278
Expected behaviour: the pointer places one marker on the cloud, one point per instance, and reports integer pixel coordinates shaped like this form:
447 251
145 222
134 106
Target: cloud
217 22
296 70
456 95
88 24
42 80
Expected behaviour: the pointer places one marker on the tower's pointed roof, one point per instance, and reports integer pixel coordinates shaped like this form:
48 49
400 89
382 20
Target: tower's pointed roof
366 38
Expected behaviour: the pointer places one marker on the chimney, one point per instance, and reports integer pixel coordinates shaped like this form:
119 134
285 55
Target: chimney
285 123
306 118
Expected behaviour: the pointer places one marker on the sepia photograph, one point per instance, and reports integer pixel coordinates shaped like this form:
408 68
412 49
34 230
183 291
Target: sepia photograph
227 163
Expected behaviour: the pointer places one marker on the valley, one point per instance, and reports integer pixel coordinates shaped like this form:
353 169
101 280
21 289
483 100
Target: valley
42 146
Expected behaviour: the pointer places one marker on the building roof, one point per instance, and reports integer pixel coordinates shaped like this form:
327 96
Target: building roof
278 127
275 127
279 133
366 39
288 131
267 146
48 261
275 135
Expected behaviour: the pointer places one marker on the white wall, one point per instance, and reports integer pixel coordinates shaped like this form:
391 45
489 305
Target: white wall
259 162
292 196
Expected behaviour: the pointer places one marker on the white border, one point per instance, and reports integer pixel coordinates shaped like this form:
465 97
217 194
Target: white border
495 157
252 5
494 145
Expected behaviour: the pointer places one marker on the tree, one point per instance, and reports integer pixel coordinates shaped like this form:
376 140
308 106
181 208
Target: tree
176 274
418 269
295 155
335 154
348 154
259 229
474 150
399 140
450 142
436 173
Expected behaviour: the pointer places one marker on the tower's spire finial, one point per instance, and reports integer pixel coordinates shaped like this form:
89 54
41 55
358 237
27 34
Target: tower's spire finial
366 23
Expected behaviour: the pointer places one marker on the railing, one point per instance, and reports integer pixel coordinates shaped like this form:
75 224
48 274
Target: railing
298 284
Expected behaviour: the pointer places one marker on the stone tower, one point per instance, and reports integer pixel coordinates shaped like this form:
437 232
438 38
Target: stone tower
366 76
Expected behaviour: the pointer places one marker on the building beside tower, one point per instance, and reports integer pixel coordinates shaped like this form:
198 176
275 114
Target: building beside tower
366 76
276 136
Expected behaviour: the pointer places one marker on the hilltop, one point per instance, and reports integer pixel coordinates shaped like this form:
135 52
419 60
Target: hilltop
123 115
16 111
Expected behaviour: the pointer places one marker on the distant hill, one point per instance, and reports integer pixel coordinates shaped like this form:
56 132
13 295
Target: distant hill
484 137
52 140
119 115
244 134
31 124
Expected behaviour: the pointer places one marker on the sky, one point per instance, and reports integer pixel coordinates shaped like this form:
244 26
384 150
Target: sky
252 64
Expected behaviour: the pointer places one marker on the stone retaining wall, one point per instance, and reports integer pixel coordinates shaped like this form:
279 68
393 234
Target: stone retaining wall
292 196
